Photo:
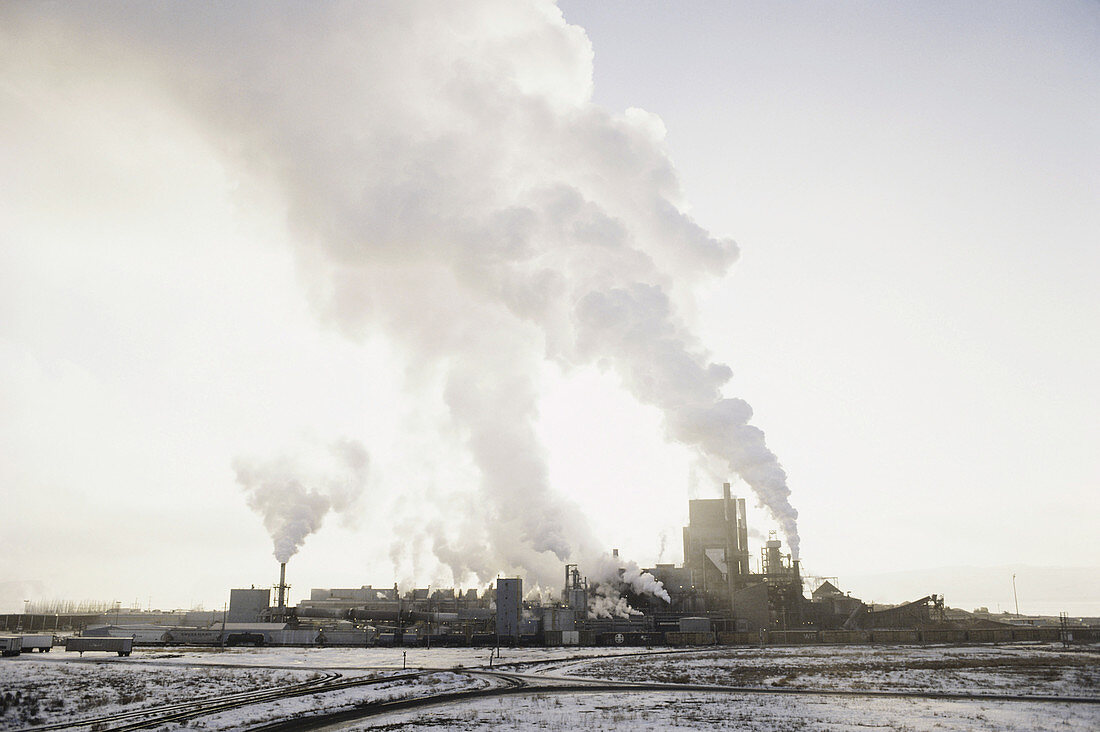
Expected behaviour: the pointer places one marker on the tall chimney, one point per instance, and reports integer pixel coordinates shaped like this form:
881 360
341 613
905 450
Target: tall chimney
729 512
282 585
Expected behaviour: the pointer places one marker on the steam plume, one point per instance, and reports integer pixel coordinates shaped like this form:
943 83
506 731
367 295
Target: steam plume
450 183
606 602
293 498
610 577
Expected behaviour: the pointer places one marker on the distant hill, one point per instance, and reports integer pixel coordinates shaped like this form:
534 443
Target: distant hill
1041 590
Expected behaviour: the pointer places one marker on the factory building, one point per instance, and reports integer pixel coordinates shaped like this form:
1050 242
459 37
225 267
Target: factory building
716 544
715 596
716 581
509 609
714 591
248 606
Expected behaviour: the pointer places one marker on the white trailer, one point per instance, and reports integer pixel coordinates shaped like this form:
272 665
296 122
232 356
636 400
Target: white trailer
41 642
10 645
121 646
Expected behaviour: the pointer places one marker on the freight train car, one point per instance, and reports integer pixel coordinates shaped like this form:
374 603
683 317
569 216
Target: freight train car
195 636
634 638
245 639
690 639
121 646
39 642
10 645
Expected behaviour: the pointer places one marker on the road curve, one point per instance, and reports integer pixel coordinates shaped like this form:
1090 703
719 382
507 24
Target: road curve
522 684
178 712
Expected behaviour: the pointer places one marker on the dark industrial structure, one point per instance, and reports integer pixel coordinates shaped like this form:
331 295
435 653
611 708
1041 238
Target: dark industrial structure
509 609
715 596
716 580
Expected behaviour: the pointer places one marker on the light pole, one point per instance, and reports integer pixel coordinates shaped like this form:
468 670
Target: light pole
1014 598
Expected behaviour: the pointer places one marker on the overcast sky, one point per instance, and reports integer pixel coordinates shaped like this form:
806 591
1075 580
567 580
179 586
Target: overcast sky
391 275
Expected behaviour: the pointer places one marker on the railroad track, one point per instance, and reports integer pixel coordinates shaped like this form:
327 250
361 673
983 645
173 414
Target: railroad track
510 684
522 684
181 711
506 683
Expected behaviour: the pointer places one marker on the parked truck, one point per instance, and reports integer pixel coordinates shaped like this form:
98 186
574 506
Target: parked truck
121 646
10 645
41 642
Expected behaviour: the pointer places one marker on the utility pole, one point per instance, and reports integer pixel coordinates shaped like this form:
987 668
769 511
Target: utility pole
1014 595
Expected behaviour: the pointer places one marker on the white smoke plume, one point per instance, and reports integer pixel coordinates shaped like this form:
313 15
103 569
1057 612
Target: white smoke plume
644 583
606 602
294 494
450 183
609 576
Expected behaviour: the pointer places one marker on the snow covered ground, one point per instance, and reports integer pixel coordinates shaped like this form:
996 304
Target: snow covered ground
72 689
56 687
439 682
366 658
1040 670
47 688
699 711
36 691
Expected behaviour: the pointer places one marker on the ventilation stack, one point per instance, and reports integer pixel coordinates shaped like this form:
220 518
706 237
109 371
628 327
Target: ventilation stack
772 558
281 593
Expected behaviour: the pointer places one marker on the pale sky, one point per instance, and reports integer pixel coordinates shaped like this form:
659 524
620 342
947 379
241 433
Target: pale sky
210 253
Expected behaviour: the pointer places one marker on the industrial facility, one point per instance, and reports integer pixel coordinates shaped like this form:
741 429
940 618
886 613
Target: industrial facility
714 597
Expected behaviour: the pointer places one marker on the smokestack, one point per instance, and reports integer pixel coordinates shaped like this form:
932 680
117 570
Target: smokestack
729 513
282 586
773 560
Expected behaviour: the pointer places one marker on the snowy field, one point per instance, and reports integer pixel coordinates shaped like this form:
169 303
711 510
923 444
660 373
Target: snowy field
344 659
438 682
1033 670
38 689
47 688
67 688
696 711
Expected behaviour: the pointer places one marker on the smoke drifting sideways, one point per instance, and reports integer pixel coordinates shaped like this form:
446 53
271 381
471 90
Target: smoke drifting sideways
295 493
449 183
611 578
